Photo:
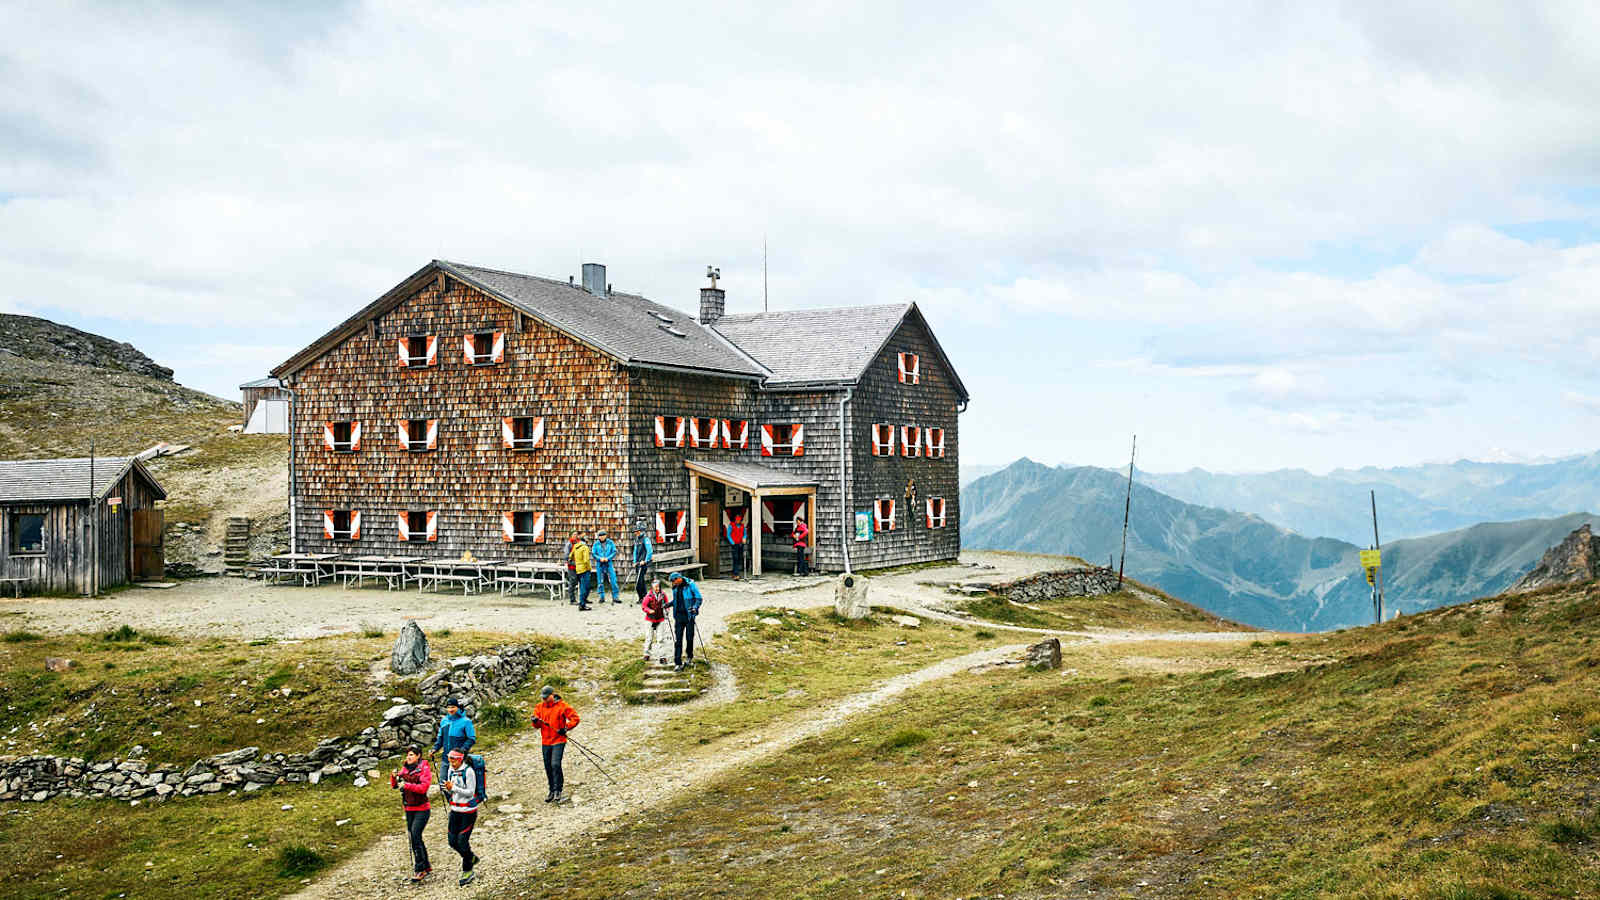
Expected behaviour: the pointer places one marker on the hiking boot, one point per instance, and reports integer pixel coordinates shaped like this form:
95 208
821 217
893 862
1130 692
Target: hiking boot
466 879
678 667
474 862
420 877
550 797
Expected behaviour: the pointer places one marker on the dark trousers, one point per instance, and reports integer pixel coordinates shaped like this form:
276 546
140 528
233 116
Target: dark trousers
682 632
738 560
641 582
801 565
572 586
461 834
552 766
416 822
585 585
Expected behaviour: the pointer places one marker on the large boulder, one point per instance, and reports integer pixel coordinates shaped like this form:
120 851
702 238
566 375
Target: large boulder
410 651
1044 655
850 596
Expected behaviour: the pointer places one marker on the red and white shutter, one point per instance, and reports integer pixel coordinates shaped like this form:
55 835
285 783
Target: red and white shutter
934 441
538 528
661 431
433 350
327 435
768 519
466 349
711 439
883 440
405 352
508 527
892 511
661 527
735 439
910 368
536 434
404 525
355 435
355 525
767 440
694 431
928 511
508 432
878 521
433 434
910 440
327 524
433 526
683 526
677 440
797 440
405 434
499 347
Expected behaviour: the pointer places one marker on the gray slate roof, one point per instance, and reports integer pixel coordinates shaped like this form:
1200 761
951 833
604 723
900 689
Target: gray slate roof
268 382
29 480
750 475
621 324
806 346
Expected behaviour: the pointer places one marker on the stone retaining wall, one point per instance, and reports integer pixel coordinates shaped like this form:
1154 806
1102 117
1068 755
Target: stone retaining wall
1050 585
476 680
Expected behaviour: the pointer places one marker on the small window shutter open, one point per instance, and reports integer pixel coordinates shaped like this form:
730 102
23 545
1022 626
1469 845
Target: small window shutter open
661 431
766 440
735 438
661 527
910 440
499 346
536 434
404 522
433 526
683 525
916 369
433 434
507 432
405 434
694 431
769 519
508 527
327 435
433 350
797 441
405 354
538 528
935 443
327 524
355 525
891 514
355 435
677 440
466 349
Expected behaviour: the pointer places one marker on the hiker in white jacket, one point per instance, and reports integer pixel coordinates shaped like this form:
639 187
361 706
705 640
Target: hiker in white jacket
460 787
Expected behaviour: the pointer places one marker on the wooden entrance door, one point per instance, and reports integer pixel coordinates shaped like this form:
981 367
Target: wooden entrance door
710 526
149 559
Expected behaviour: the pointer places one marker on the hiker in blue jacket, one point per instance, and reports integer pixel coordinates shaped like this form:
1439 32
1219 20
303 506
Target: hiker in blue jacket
644 553
604 554
686 602
455 730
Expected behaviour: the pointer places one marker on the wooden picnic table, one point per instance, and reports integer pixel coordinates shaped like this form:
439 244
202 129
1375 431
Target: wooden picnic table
550 575
446 569
389 568
307 566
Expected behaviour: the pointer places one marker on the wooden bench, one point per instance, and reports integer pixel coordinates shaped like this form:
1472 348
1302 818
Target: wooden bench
676 561
553 582
467 582
16 584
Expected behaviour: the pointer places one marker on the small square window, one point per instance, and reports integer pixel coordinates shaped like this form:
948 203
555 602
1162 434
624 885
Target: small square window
484 348
27 534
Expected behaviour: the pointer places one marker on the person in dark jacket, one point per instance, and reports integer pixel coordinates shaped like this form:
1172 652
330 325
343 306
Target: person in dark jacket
460 788
555 718
686 602
456 731
644 552
413 780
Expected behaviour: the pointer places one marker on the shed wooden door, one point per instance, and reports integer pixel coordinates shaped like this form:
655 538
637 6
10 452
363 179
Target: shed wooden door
149 560
710 538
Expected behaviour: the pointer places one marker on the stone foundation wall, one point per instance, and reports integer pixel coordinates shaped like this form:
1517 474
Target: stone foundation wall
1050 585
475 680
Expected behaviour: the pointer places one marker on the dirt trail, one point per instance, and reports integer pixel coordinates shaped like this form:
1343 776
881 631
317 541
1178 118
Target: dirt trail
514 845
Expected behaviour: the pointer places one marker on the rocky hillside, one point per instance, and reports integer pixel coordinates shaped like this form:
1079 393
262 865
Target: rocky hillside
27 337
61 389
1241 566
1575 560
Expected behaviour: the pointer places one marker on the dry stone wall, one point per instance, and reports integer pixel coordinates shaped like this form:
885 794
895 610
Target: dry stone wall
1050 585
475 680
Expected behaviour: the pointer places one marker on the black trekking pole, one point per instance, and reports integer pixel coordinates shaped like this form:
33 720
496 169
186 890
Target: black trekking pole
702 638
591 757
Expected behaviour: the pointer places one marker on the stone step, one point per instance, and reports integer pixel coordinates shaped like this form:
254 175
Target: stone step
676 690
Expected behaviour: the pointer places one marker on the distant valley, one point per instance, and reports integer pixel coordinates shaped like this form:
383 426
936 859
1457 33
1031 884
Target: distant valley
1240 565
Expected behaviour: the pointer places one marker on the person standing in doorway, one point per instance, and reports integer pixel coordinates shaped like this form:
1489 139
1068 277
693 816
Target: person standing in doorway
583 567
644 553
413 780
654 604
460 787
605 570
686 602
736 536
554 719
802 535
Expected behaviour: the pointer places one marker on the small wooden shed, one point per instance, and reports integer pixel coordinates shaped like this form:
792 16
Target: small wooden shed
78 525
273 400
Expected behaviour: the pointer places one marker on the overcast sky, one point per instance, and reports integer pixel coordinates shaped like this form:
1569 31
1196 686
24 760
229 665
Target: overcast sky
1336 235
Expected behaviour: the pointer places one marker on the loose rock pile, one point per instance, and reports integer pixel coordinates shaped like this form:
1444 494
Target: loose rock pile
475 680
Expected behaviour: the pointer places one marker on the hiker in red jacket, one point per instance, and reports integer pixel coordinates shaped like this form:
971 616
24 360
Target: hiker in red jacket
413 780
802 532
654 603
554 718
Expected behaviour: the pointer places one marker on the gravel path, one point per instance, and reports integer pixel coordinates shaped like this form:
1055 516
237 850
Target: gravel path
516 842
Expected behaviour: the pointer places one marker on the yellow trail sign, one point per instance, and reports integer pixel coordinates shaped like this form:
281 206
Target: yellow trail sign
1370 559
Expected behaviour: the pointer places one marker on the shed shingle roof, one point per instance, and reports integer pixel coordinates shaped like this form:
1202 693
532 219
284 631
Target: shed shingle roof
749 476
28 480
804 346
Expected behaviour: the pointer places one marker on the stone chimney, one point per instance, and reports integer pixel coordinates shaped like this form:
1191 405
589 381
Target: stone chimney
713 300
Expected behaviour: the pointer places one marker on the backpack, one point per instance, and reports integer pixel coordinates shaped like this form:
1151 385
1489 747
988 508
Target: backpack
475 760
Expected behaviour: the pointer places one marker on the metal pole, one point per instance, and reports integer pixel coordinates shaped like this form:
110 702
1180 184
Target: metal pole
1127 509
94 530
1377 587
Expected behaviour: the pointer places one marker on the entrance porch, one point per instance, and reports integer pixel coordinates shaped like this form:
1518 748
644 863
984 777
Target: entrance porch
768 502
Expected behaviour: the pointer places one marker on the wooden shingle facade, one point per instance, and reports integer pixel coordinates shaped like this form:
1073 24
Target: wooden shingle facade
475 410
76 526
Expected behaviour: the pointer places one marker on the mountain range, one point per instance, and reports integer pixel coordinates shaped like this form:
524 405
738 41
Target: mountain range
1237 564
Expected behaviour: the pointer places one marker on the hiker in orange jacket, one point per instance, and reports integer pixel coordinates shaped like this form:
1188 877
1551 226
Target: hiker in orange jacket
554 718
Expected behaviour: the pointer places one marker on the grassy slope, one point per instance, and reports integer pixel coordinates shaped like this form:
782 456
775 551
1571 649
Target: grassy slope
1451 754
1123 609
228 846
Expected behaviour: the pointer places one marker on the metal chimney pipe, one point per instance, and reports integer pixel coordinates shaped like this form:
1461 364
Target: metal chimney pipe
594 279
